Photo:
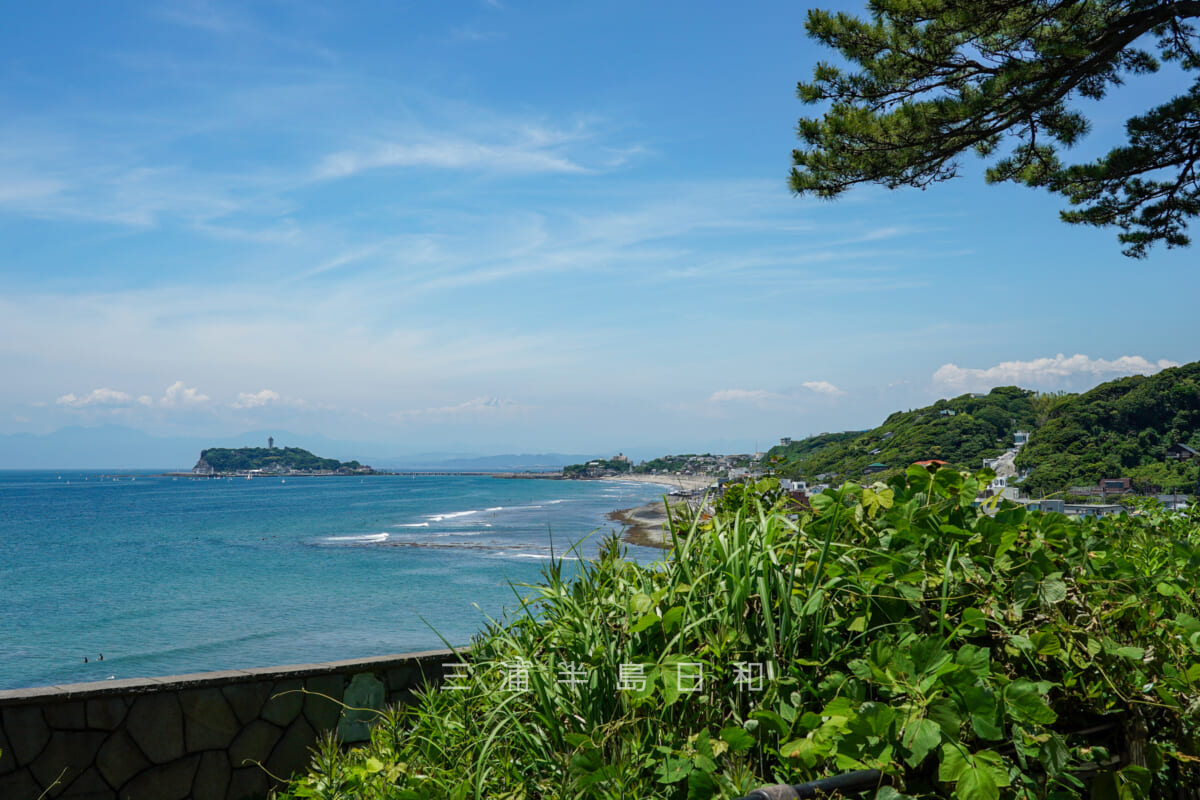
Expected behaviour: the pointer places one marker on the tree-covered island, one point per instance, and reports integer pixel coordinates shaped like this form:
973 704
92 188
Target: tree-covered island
224 461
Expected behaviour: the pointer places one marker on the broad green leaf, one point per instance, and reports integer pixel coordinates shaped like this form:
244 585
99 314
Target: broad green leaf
974 618
1135 653
701 786
771 721
1045 643
739 739
946 716
671 619
673 769
823 502
1026 704
953 763
645 622
948 480
977 783
1052 590
639 604
921 737
975 660
1054 755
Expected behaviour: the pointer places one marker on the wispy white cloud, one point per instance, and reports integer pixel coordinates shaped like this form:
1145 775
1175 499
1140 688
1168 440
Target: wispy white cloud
755 396
446 154
479 406
1059 371
468 33
178 394
255 399
201 15
101 397
823 387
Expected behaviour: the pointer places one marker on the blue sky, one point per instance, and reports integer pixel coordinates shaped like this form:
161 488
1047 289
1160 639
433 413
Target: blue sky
508 226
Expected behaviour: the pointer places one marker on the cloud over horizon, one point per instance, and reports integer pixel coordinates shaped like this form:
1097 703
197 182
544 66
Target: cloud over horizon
1058 372
105 397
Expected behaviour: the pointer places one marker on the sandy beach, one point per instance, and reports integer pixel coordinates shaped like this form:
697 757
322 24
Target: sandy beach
685 482
645 525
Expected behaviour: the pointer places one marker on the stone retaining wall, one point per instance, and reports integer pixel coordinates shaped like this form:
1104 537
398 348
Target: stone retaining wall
193 736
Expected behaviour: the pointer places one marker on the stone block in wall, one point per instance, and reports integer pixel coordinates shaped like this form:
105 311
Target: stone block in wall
66 716
89 786
247 783
292 753
324 705
212 777
285 702
406 677
247 699
26 731
19 784
171 781
209 723
66 755
156 723
363 701
106 713
8 761
120 759
254 743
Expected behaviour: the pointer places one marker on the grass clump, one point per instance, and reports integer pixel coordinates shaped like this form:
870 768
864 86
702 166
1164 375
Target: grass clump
894 627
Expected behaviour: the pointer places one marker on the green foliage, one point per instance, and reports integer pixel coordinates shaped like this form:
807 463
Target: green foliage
972 428
1122 428
937 79
280 459
598 465
905 630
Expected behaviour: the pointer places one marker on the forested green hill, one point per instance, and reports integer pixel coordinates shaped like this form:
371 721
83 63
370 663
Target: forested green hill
1119 429
273 459
961 431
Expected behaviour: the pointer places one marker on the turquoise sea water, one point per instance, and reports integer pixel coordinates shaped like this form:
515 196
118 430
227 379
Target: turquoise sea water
166 576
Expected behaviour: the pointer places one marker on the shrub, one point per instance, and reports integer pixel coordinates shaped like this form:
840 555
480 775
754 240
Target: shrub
899 627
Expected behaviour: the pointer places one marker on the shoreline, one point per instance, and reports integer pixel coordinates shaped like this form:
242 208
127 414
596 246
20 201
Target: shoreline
688 483
645 525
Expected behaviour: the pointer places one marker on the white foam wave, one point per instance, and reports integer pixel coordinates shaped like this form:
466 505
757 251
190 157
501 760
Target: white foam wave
412 525
541 556
363 539
451 515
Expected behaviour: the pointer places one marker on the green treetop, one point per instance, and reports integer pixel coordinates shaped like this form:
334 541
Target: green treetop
936 78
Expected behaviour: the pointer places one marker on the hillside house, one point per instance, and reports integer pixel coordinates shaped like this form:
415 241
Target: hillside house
1173 502
1181 452
1093 509
1116 486
871 469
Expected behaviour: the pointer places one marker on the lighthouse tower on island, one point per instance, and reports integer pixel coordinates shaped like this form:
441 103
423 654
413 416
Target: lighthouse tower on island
270 442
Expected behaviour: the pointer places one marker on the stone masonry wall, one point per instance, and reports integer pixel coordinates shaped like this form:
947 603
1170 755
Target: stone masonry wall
193 736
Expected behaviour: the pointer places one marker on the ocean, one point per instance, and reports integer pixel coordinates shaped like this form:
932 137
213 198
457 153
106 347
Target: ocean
168 575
